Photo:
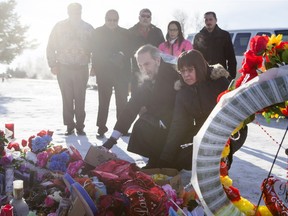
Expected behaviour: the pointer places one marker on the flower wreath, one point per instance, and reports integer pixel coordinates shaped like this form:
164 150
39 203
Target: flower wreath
264 53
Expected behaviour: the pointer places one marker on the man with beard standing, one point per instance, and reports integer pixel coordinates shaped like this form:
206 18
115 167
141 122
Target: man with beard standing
216 45
111 65
68 54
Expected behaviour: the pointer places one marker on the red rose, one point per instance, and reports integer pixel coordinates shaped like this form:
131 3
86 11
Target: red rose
250 61
30 141
24 143
14 145
258 44
42 133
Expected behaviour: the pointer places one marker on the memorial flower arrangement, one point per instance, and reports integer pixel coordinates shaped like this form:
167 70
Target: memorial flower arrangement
9 152
264 53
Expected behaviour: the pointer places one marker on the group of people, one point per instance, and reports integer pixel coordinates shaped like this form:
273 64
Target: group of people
170 103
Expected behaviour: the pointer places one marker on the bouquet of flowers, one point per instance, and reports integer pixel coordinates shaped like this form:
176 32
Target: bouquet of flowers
264 53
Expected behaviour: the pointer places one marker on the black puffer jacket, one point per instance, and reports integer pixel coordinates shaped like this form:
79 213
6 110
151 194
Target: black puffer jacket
192 107
217 47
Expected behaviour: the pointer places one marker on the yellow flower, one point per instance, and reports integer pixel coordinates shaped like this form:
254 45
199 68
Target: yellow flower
274 40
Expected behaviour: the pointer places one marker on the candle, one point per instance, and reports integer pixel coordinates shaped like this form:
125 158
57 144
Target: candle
18 189
9 130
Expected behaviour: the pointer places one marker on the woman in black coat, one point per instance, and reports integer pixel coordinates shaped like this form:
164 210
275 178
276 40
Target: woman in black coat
198 89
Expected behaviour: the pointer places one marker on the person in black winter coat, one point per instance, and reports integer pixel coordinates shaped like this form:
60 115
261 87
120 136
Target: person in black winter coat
111 65
216 45
197 94
156 96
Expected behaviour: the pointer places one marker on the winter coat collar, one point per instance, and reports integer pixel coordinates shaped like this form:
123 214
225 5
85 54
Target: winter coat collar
216 71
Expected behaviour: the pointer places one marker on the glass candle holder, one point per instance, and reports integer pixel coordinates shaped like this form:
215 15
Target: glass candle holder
18 190
9 130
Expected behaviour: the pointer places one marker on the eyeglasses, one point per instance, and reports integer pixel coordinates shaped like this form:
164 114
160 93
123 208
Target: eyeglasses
185 70
145 16
173 30
112 20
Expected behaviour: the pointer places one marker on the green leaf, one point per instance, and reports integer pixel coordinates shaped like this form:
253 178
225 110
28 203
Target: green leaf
285 56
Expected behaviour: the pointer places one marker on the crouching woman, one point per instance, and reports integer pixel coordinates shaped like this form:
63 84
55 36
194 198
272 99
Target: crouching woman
198 89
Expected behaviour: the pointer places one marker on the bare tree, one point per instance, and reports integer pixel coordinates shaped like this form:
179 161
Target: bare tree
182 18
197 22
188 24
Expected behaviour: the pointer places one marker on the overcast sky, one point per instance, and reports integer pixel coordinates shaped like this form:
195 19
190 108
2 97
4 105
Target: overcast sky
41 15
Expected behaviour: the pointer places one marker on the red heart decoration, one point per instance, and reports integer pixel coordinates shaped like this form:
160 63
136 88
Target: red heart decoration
275 195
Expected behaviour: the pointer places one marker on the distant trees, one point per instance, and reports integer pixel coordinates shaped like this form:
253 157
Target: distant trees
12 33
187 23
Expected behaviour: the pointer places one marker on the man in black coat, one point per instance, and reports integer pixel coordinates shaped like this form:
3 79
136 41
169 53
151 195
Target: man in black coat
216 45
111 65
156 96
144 32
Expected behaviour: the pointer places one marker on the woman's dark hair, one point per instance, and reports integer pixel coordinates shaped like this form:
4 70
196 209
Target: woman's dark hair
193 58
180 33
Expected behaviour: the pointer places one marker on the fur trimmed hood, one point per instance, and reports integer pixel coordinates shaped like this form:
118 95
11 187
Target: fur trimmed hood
217 71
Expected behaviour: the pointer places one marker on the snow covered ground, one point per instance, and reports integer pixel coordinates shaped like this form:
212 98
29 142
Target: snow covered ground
34 105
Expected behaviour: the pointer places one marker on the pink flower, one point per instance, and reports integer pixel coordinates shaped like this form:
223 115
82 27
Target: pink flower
49 201
42 158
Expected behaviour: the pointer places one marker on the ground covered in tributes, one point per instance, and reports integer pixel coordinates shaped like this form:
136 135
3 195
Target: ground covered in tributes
35 105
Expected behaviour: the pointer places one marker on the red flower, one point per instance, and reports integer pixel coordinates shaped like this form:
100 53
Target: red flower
284 111
223 169
250 61
24 143
42 133
30 141
14 145
258 44
232 193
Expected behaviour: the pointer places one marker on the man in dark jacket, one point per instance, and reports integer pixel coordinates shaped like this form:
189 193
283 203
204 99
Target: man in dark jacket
144 33
111 65
216 45
156 95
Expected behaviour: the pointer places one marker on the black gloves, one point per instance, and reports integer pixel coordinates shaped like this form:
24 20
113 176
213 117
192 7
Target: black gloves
109 143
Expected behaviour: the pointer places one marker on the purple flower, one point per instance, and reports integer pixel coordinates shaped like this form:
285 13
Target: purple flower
58 162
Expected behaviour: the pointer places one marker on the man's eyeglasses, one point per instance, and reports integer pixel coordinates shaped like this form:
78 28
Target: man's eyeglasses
145 16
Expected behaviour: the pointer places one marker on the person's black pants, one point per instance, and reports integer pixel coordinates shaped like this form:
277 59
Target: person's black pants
105 83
